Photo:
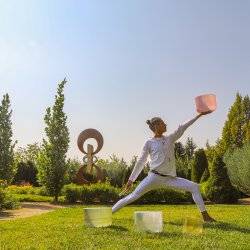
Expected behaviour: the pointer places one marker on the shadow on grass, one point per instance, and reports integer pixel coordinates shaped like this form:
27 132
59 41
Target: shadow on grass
117 228
227 227
219 225
5 214
154 235
163 234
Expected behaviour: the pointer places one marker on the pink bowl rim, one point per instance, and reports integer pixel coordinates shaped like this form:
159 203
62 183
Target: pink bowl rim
206 95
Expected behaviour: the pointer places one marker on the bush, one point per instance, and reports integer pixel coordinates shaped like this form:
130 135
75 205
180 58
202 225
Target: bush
237 163
72 192
27 189
164 195
32 198
7 201
97 192
105 193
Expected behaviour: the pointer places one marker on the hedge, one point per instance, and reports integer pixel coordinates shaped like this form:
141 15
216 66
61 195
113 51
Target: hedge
105 193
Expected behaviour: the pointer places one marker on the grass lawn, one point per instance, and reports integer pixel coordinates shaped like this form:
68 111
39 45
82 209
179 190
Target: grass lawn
64 229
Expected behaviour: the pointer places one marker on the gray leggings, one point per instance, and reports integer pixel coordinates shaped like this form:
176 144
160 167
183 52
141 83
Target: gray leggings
154 181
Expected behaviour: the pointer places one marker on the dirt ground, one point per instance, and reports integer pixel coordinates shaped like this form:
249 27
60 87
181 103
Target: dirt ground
28 209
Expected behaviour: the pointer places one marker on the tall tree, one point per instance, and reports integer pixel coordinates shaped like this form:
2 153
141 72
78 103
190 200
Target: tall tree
179 150
6 144
236 129
246 119
218 187
200 164
190 147
52 160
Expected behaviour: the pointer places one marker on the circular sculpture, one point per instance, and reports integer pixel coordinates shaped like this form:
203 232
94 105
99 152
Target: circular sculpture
87 134
85 173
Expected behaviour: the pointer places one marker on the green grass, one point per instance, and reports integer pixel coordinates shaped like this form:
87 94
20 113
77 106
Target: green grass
64 229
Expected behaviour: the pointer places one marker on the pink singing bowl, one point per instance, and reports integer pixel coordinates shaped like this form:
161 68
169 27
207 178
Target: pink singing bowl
205 103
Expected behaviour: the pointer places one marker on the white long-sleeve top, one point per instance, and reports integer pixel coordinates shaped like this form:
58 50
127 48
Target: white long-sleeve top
161 152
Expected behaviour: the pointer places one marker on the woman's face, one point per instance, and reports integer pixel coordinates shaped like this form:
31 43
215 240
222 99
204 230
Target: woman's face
160 127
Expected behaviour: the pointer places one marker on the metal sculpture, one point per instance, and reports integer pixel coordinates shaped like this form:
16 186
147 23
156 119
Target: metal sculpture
89 160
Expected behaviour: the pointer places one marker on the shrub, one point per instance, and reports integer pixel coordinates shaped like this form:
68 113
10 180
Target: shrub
28 189
32 198
237 163
164 195
105 193
7 201
72 192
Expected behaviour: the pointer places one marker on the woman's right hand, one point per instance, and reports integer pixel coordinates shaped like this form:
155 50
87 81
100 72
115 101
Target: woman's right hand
126 188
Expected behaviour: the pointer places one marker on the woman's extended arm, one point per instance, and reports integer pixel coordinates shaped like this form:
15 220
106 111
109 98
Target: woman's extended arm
140 163
182 127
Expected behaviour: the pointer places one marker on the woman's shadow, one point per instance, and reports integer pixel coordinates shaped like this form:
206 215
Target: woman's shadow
220 225
227 227
118 228
149 234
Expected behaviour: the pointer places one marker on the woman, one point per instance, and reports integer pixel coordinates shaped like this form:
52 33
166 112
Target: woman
162 167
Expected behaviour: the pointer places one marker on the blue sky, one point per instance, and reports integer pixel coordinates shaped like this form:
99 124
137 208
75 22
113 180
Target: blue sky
125 62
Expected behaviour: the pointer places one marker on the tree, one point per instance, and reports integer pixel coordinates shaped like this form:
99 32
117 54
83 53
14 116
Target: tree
26 164
246 119
6 145
190 147
52 158
237 163
179 150
181 161
200 164
73 165
218 187
236 129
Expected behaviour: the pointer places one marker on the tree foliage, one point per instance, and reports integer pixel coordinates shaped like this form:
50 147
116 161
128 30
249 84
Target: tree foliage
52 158
7 166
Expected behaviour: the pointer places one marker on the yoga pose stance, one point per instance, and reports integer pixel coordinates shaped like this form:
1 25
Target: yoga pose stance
162 167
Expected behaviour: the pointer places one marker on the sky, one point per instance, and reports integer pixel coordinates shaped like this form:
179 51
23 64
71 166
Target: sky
125 62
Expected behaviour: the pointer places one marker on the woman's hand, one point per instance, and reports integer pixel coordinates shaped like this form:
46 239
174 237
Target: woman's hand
126 188
204 113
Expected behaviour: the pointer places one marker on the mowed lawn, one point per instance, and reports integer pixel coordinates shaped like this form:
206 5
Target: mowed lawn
64 229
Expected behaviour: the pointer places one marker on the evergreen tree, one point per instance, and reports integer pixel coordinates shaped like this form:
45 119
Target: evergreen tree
218 187
190 147
236 130
179 150
52 159
205 176
246 119
6 145
200 164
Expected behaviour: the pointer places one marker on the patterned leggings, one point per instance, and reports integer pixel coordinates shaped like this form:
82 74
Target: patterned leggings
154 181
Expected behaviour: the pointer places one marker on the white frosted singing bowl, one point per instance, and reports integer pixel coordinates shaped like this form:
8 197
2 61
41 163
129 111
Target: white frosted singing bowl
97 216
149 221
205 103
